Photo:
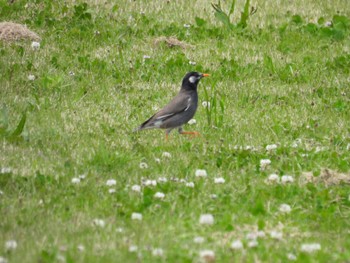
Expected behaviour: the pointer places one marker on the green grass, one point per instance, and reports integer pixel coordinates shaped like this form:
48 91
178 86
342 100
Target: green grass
282 79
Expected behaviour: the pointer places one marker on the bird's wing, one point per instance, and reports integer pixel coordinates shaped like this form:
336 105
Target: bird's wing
179 104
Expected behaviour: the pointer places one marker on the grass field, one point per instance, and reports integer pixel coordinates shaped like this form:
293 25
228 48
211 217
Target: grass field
73 178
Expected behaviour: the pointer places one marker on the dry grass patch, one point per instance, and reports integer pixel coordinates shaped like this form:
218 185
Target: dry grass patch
172 42
327 177
11 32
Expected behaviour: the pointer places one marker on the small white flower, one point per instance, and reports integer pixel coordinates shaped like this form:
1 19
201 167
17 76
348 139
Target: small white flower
309 248
136 216
82 176
159 195
284 208
207 255
261 234
157 252
201 173
166 155
150 183
253 243
162 180
119 230
264 163
276 235
157 160
237 245
11 245
133 248
192 63
206 219
41 202
146 57
328 23
219 180
252 236
182 181
1 192
287 179
6 170
111 190
75 180
143 165
291 256
348 147
206 104
3 260
35 45
274 178
271 147
111 182
213 196
190 184
187 25
136 188
198 240
99 222
71 73
81 248
31 77
193 121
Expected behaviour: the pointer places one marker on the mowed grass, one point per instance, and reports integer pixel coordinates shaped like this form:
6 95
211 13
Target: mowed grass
283 80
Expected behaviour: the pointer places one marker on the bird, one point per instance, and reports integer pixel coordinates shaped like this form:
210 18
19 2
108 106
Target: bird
179 110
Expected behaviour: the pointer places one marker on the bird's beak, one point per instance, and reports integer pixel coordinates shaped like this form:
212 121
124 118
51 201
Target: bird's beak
205 75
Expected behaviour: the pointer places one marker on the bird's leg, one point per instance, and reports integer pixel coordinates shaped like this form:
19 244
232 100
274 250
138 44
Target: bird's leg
167 134
192 133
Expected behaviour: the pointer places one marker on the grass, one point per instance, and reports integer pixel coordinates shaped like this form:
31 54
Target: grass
281 80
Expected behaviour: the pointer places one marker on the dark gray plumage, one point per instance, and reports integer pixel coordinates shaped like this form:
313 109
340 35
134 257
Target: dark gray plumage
180 109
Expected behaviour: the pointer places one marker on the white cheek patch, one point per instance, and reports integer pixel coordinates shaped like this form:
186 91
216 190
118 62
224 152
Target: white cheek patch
193 79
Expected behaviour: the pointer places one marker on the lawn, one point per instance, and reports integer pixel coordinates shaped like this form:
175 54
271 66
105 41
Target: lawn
267 180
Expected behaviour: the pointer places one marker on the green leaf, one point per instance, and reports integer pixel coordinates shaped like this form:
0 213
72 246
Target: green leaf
4 120
199 21
244 15
223 18
232 8
297 19
20 125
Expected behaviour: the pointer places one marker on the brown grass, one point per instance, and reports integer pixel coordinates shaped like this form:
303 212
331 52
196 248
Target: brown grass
327 177
10 32
172 42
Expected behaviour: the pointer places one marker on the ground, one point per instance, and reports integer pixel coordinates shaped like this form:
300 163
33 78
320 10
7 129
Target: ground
75 180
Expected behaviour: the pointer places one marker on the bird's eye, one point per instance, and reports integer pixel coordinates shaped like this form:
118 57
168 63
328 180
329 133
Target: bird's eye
193 79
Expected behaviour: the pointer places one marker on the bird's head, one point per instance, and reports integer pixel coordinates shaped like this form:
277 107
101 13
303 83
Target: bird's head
191 80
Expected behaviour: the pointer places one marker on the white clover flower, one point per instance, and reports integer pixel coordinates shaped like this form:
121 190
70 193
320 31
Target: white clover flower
206 219
75 180
253 243
150 183
11 245
190 184
136 188
82 176
193 121
3 260
182 181
274 178
162 179
213 196
348 147
159 195
271 147
187 25
252 236
146 57
111 190
276 235
41 202
143 165
198 240
261 233
192 63
1 192
328 23
31 77
99 222
287 179
133 248
219 180
6 170
264 163
157 160
136 216
291 256
157 252
35 45
207 255
284 208
309 248
206 104
119 230
81 248
111 182
201 173
237 245
71 73
166 155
